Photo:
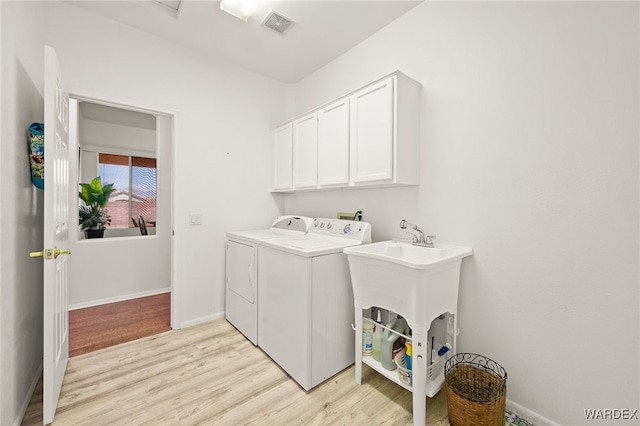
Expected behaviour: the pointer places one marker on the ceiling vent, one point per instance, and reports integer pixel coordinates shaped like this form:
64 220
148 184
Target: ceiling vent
277 23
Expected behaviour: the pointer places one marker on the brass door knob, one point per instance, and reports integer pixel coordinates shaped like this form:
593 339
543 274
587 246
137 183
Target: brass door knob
49 253
57 252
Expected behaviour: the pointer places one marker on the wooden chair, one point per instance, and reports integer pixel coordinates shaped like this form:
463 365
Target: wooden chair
142 226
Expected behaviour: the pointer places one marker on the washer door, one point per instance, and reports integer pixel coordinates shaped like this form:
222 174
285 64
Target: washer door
241 270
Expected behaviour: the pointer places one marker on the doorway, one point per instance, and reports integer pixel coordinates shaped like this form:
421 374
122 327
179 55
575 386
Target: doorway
125 267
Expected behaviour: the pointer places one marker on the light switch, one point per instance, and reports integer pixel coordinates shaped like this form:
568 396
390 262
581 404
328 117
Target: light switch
195 219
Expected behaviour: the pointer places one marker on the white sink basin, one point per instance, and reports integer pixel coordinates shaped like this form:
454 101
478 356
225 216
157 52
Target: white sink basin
419 283
408 255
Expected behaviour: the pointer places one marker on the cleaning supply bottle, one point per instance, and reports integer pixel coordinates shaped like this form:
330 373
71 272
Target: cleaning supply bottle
392 342
435 355
408 354
367 335
377 338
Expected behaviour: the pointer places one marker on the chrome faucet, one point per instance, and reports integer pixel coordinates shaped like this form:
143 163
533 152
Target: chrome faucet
420 239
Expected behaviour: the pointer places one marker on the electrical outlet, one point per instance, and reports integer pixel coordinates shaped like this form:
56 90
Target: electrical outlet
350 215
195 219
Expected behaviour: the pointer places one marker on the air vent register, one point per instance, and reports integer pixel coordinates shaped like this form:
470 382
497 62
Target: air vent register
278 23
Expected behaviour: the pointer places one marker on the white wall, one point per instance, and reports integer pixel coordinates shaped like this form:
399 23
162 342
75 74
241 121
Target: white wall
113 269
529 154
2 379
221 167
21 208
118 137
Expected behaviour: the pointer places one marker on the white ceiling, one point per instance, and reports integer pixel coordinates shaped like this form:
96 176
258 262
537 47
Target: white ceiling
323 30
119 116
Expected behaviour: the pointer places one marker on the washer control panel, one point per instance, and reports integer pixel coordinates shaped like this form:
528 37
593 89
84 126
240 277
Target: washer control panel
353 229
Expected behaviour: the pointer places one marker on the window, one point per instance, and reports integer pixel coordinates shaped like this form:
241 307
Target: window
134 183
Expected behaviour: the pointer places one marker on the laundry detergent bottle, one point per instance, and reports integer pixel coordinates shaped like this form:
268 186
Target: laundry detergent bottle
391 342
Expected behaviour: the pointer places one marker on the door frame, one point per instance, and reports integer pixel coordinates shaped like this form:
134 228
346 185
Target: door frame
155 110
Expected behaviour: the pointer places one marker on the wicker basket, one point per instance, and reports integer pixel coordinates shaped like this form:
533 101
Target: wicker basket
476 389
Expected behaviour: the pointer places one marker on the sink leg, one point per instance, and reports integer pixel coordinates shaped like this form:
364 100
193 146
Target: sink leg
358 340
419 365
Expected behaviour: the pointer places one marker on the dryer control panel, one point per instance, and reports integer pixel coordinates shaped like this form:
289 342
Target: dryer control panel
293 223
352 229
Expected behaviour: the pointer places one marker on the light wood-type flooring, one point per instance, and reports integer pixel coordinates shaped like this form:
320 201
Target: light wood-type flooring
211 374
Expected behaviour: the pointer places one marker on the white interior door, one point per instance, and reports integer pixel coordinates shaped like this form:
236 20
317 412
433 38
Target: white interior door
56 233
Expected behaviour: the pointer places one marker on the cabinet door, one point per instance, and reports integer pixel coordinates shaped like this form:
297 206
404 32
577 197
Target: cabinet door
333 143
305 152
372 127
283 157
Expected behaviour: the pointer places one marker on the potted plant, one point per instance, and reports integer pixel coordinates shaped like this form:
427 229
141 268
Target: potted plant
93 216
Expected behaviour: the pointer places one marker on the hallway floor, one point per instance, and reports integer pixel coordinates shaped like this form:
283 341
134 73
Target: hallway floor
108 325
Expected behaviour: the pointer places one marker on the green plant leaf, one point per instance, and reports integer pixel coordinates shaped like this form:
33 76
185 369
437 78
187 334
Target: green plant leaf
93 217
95 192
95 196
106 192
96 184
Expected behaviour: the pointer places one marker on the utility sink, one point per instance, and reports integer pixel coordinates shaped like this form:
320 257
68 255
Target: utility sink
409 255
420 283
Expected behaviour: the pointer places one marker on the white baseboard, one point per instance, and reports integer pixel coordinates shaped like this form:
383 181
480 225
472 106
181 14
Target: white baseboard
201 320
118 299
529 415
28 396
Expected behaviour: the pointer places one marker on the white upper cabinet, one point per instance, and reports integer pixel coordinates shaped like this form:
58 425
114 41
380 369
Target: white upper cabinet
305 152
333 144
372 133
283 156
385 133
370 137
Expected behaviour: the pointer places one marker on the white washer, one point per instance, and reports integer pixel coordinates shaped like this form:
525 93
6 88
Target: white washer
241 299
306 300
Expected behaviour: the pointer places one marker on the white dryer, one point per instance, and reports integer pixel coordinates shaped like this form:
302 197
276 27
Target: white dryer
241 298
306 300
